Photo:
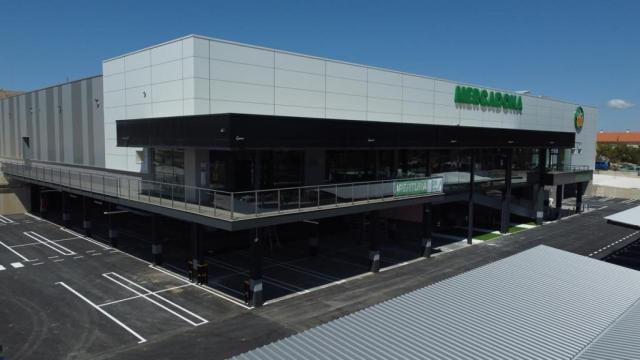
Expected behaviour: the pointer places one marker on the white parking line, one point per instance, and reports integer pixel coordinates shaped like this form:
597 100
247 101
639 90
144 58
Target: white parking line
33 216
13 251
48 243
146 295
86 238
2 268
6 220
201 287
17 265
143 295
140 338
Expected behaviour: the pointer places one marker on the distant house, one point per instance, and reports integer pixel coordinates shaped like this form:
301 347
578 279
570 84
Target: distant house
630 138
8 93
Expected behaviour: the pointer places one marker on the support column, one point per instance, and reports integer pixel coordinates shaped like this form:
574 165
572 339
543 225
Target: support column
86 219
374 243
559 196
66 215
113 232
255 271
579 193
156 244
314 239
538 189
196 248
44 205
426 230
505 212
472 171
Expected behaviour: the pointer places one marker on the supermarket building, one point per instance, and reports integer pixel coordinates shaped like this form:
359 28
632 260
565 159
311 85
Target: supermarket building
218 147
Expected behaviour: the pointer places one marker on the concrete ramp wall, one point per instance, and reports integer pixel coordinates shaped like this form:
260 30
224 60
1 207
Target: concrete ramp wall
15 198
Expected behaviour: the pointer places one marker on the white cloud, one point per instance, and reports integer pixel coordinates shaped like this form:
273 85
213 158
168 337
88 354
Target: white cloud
619 104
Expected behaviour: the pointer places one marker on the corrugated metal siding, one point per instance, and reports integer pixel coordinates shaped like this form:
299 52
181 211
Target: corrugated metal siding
65 123
628 217
542 303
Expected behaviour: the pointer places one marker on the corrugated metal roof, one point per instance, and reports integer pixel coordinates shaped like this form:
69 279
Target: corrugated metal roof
542 303
628 217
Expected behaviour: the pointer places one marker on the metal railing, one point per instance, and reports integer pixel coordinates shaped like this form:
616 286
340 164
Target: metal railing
568 168
230 205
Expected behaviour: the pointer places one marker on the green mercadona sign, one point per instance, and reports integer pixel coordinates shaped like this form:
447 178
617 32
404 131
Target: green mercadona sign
417 187
482 97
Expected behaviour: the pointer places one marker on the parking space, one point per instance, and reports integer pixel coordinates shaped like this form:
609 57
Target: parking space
290 266
64 293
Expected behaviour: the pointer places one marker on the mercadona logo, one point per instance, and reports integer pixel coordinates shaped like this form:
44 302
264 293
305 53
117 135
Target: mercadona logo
578 118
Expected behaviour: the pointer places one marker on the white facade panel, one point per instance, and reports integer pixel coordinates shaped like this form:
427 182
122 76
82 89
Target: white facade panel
346 86
168 108
137 60
139 111
299 63
114 99
299 111
346 71
196 88
250 74
384 91
299 80
138 95
138 77
384 77
374 116
418 95
167 52
241 54
113 82
387 106
304 98
167 91
345 114
232 91
115 66
224 106
346 102
168 71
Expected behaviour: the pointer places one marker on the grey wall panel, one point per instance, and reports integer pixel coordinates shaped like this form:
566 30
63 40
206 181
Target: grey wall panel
98 122
42 122
3 136
51 124
56 123
28 115
35 138
76 120
12 127
60 116
67 125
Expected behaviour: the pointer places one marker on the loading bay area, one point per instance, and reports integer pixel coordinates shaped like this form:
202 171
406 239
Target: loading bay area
66 295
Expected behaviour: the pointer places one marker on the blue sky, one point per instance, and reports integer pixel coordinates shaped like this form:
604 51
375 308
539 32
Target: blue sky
582 51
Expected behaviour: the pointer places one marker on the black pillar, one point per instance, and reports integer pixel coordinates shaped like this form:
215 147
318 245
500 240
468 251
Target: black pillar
579 193
66 215
471 189
505 212
156 244
113 231
255 271
86 219
426 230
43 203
559 196
538 189
374 243
314 238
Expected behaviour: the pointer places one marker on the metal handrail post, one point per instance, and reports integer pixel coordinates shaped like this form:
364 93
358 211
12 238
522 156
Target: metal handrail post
336 195
279 207
232 205
299 198
353 201
256 202
172 195
318 196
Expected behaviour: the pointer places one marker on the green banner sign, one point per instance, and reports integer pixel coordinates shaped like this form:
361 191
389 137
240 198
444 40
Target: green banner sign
417 187
482 97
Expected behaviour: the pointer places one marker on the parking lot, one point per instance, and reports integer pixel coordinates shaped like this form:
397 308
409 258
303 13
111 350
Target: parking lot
64 295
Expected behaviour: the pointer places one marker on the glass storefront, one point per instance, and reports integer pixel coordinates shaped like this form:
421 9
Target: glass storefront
169 166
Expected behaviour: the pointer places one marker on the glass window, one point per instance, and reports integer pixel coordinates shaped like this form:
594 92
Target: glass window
169 165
